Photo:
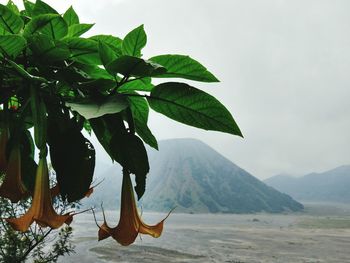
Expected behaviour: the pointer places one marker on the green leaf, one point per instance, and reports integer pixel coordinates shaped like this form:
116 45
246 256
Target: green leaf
27 144
98 86
179 66
193 107
71 76
91 110
132 66
83 50
107 55
71 17
29 7
140 110
12 45
23 73
105 127
28 172
135 85
28 165
78 29
4 32
128 150
9 20
72 157
51 25
114 43
45 48
125 148
146 135
41 8
93 71
13 7
134 42
38 108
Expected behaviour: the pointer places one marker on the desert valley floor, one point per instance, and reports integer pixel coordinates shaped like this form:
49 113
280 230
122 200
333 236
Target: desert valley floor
320 234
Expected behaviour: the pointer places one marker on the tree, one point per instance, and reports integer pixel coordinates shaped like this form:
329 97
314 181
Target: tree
59 83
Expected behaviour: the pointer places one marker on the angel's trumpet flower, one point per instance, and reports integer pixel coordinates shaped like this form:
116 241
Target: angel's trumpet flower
12 186
4 136
130 223
41 210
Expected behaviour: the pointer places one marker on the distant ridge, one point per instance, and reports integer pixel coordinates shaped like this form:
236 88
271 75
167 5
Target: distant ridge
329 186
190 175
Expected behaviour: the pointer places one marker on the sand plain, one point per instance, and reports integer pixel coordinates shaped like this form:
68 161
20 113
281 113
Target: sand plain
320 234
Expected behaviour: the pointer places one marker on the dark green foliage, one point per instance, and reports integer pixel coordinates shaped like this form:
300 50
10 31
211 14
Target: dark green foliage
12 45
100 84
83 50
137 67
52 25
71 17
134 42
107 54
139 110
78 29
28 165
136 85
115 43
74 168
9 20
128 150
46 49
41 8
179 66
192 106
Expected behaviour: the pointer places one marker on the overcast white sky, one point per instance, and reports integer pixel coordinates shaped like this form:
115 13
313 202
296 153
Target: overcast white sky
284 70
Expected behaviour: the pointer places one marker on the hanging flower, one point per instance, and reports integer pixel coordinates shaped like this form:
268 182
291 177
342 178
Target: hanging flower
41 210
12 186
130 223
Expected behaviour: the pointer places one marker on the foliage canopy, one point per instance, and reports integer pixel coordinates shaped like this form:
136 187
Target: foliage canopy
59 83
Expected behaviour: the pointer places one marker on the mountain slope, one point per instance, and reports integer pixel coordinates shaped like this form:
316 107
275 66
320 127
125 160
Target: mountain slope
190 175
330 186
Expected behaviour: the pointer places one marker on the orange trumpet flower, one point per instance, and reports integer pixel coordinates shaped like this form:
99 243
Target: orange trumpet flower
12 186
41 210
130 223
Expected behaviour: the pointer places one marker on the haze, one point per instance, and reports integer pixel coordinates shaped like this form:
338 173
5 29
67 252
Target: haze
283 65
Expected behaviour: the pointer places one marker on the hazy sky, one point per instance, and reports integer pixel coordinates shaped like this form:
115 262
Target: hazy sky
284 68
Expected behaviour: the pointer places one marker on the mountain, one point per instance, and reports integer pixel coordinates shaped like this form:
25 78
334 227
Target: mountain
329 186
190 175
